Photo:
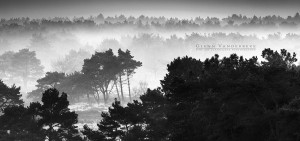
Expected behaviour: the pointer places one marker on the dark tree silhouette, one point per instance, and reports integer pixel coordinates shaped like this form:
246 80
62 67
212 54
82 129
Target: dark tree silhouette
128 67
137 121
50 120
101 69
77 85
57 117
231 98
109 127
19 123
283 59
9 95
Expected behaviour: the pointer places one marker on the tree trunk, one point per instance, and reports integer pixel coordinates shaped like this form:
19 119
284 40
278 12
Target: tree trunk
104 98
128 87
117 90
121 87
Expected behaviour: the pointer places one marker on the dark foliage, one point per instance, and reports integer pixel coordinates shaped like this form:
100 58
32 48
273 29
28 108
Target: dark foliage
100 75
145 120
50 120
232 98
228 99
9 95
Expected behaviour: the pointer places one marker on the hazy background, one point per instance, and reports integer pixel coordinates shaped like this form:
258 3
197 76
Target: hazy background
168 8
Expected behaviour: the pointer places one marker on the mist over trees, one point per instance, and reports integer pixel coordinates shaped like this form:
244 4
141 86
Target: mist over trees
154 50
145 22
164 78
22 65
71 40
72 62
38 42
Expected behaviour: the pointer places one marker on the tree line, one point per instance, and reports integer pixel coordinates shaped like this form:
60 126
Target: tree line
43 43
145 22
230 98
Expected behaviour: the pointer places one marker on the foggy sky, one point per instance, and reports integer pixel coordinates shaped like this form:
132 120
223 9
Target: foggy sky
169 8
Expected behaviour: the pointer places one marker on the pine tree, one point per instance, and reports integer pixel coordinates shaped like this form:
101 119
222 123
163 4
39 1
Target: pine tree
50 120
9 95
56 115
128 67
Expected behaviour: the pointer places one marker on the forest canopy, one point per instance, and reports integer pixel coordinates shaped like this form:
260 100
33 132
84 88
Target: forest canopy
229 98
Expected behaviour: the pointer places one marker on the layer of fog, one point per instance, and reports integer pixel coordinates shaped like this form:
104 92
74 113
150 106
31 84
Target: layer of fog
154 48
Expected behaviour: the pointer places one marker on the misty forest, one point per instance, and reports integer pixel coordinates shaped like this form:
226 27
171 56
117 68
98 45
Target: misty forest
149 78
